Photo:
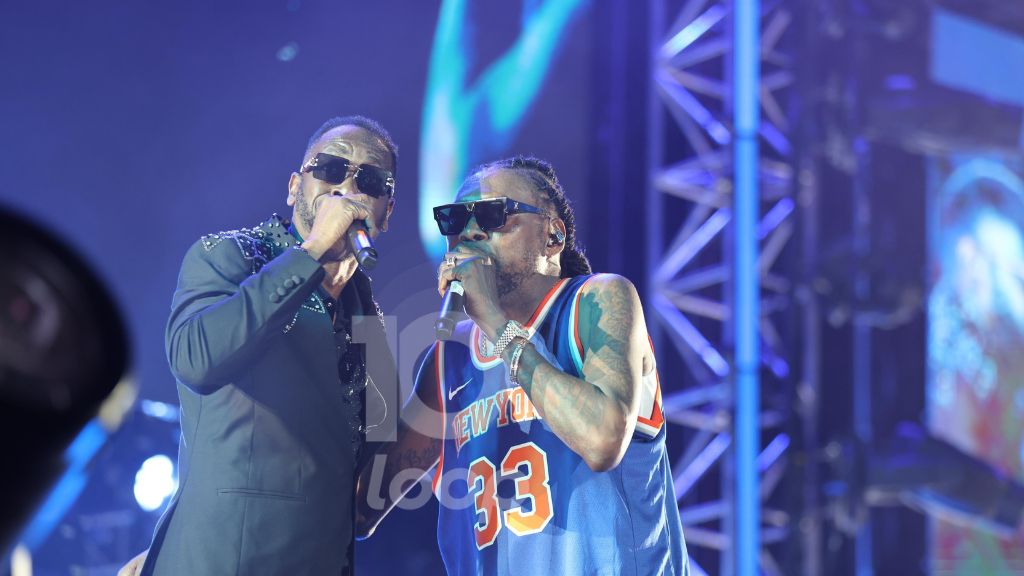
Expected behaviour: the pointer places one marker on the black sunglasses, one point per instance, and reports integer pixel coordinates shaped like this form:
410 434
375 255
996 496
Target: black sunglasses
371 180
490 214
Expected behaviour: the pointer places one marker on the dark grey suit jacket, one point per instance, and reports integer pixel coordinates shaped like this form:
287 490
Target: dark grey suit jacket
266 468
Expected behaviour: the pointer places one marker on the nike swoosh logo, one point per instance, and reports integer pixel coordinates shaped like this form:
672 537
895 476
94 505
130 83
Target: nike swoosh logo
454 391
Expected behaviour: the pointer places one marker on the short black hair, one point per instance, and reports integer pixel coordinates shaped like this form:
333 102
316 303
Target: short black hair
541 175
368 124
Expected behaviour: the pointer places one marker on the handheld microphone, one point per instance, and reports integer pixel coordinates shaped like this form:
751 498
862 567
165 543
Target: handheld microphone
452 310
362 245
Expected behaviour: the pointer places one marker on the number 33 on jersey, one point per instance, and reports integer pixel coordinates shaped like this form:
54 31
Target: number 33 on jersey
515 499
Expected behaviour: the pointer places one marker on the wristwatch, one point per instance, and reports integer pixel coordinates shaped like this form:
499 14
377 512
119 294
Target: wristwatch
511 331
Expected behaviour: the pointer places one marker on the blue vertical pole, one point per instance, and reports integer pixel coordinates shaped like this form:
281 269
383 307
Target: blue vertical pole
862 413
746 78
655 159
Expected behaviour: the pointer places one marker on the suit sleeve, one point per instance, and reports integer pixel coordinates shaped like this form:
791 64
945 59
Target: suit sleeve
222 315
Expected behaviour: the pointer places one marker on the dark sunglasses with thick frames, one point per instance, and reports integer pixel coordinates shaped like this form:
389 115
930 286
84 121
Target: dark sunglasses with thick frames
491 214
371 180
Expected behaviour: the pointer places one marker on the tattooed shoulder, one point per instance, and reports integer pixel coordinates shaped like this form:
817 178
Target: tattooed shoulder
609 306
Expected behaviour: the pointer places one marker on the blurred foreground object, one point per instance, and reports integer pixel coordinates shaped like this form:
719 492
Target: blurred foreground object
63 354
918 470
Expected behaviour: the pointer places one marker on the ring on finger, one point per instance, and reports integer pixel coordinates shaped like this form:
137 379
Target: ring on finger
446 265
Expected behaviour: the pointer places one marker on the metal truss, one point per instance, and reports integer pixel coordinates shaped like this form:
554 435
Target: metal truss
691 271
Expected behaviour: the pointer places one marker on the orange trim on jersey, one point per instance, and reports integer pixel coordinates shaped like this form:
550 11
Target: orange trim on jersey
543 303
576 331
657 414
657 419
541 308
439 377
477 334
576 328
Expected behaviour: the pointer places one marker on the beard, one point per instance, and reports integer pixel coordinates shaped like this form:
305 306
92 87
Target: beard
304 210
512 275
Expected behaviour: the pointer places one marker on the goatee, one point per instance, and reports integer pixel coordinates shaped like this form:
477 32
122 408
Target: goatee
509 282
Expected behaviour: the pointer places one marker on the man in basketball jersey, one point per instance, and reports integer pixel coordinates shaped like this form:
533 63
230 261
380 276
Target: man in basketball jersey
550 448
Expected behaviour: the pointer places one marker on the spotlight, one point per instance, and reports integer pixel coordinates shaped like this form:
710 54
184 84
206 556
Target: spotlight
155 482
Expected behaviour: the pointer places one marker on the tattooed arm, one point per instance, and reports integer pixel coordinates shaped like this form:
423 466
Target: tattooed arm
595 416
411 456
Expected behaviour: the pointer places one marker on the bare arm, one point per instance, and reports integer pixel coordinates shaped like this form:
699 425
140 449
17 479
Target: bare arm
413 454
595 416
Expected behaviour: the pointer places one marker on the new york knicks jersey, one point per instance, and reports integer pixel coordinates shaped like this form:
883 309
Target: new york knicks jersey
515 500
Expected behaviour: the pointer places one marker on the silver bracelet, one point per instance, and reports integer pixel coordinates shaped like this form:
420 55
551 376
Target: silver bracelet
511 331
517 354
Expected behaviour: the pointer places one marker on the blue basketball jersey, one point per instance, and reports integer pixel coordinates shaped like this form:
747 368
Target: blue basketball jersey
515 500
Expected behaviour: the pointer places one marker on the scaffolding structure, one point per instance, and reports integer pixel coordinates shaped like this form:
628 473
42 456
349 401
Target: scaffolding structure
692 234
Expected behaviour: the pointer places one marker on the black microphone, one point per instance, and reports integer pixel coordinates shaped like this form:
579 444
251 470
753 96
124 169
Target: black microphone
452 310
362 245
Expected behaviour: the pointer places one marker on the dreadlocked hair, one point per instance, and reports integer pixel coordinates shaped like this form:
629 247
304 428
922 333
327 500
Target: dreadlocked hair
573 262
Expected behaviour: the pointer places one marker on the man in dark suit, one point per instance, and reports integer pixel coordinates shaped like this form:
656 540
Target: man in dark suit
275 395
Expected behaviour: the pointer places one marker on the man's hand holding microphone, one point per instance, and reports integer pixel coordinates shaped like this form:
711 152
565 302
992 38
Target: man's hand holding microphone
343 226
